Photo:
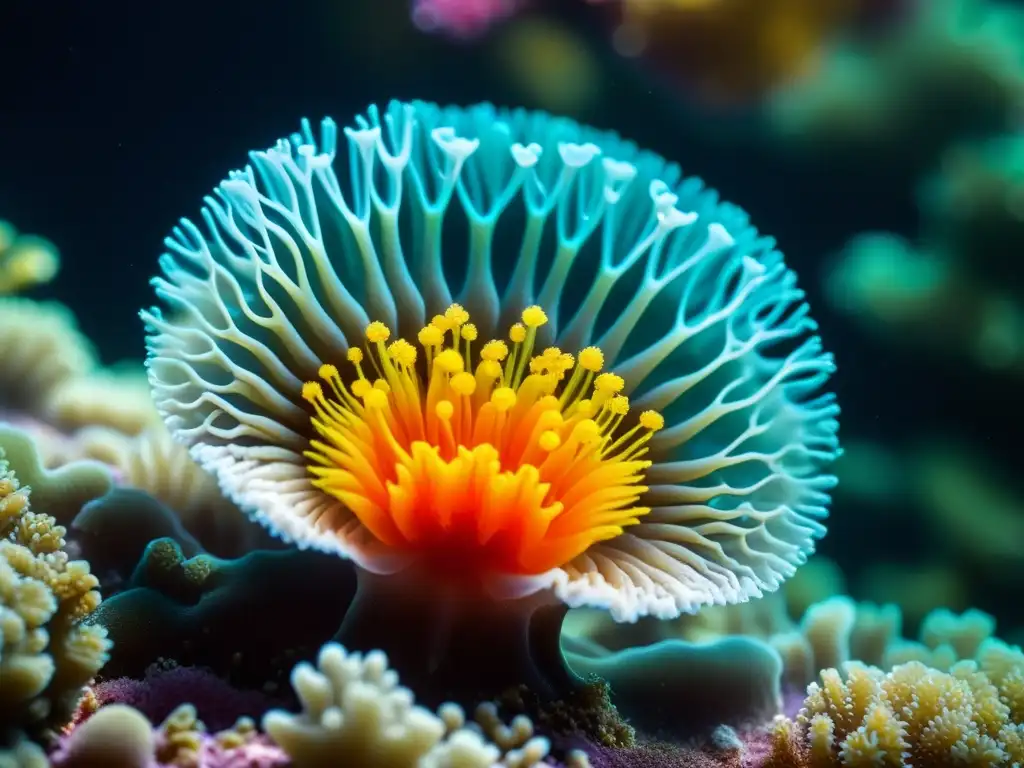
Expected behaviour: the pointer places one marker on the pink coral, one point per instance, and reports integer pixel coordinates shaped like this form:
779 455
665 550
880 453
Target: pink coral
463 19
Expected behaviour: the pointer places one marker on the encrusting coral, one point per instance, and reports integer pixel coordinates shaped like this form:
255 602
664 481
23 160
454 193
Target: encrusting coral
48 655
671 452
971 716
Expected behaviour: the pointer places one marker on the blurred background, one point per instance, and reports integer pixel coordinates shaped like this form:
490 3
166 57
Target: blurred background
881 142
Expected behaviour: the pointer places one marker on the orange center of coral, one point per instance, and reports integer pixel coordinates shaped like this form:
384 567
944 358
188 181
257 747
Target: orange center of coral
517 465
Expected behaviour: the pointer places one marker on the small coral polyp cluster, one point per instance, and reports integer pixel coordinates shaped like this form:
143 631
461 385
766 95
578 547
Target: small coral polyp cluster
972 715
665 449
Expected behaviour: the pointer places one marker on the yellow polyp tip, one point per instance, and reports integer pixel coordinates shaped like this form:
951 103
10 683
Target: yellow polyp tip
360 387
402 352
503 398
375 398
517 333
550 419
382 385
327 371
444 410
552 352
430 336
489 369
652 420
377 332
591 359
33 265
494 350
355 355
549 440
449 361
609 383
463 383
585 408
469 332
312 391
586 431
534 317
456 314
441 323
619 405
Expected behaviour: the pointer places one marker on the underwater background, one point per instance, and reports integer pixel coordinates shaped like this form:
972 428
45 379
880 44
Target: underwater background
880 143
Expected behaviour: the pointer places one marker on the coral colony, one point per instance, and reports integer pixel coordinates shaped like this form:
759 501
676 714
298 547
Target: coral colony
501 361
471 367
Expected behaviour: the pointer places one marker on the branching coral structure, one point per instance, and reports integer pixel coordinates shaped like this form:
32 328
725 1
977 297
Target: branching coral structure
501 361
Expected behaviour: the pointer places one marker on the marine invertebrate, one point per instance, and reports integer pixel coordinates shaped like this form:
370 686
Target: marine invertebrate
47 654
913 715
667 449
25 261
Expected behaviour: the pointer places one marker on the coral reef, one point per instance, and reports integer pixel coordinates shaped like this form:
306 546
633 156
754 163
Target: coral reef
912 715
48 654
678 459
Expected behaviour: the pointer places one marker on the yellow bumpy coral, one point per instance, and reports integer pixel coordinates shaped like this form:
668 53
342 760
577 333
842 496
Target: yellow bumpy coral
47 654
912 716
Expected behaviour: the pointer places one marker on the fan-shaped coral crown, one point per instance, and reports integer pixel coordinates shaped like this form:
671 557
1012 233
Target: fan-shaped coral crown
310 259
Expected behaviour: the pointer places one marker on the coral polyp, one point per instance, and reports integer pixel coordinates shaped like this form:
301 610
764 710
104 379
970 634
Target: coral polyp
514 467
